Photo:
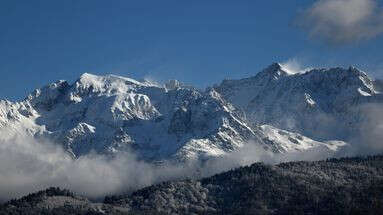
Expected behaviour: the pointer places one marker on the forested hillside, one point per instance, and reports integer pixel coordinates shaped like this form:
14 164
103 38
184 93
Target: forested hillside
335 186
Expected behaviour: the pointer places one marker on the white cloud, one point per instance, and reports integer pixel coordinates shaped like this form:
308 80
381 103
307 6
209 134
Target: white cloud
369 140
342 21
27 166
294 66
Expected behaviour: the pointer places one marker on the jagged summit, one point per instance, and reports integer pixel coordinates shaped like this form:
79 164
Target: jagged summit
275 69
298 102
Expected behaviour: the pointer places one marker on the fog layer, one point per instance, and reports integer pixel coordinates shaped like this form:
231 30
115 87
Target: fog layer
27 165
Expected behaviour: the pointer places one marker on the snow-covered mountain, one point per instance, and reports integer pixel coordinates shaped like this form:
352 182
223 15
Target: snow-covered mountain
319 103
109 113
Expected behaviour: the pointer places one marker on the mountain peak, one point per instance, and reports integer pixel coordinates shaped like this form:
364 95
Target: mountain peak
274 71
47 95
274 66
87 75
107 84
91 78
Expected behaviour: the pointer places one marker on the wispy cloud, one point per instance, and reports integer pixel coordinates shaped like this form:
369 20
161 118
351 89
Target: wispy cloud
293 66
342 21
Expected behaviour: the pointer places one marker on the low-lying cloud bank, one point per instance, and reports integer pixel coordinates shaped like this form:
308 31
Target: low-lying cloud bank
342 21
369 137
27 166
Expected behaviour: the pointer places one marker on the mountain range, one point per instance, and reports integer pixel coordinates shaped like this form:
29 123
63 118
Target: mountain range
276 109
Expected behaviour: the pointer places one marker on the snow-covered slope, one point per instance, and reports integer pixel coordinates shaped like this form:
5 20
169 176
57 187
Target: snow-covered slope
109 113
294 142
320 103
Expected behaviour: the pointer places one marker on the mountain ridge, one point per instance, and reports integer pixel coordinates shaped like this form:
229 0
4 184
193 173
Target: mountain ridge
297 102
111 113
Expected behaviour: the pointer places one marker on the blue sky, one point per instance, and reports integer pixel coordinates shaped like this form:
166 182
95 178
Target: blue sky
197 42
